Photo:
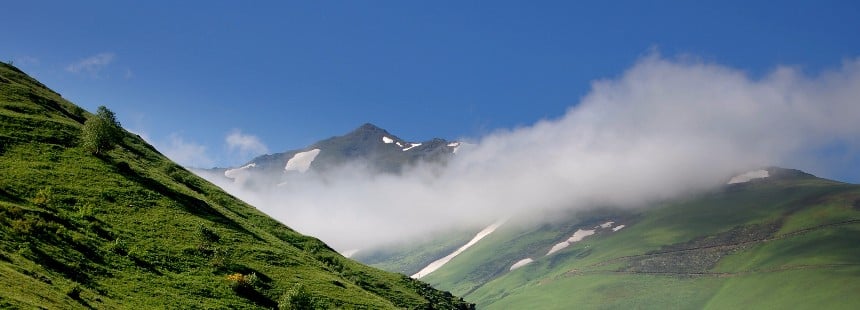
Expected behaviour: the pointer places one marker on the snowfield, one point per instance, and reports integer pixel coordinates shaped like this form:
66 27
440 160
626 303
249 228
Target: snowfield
235 173
412 145
302 161
522 262
387 140
442 261
749 176
617 228
605 225
577 236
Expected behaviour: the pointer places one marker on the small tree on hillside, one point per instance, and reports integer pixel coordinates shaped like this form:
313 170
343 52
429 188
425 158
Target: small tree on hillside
101 132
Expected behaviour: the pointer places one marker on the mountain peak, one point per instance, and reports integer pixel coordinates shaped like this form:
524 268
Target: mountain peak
369 132
369 127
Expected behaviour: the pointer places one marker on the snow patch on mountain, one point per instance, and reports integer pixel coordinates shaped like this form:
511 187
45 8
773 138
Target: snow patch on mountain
605 225
235 173
302 161
387 140
749 176
617 228
412 145
558 247
442 261
522 262
577 236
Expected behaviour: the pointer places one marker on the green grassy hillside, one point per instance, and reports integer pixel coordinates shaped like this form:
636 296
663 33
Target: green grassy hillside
131 229
787 241
409 258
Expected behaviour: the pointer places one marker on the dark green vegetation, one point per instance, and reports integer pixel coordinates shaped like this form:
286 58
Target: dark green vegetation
787 241
127 228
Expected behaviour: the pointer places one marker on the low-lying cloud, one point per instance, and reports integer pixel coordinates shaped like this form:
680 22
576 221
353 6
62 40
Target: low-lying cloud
664 128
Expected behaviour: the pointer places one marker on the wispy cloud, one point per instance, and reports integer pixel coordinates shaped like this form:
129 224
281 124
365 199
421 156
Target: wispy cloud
175 147
185 153
92 64
244 145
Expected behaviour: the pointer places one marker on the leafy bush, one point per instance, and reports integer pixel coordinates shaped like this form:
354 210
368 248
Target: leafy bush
23 226
101 132
240 282
86 211
220 259
43 197
297 298
32 225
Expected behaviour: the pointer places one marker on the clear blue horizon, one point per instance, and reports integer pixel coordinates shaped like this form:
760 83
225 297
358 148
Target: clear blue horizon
216 83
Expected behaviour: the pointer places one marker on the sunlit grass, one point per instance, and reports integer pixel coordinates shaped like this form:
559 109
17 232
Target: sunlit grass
123 229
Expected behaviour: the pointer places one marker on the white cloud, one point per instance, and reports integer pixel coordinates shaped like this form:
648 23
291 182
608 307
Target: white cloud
92 64
244 145
185 153
663 129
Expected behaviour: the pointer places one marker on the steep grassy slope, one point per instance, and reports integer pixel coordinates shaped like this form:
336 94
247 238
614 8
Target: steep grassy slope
409 258
131 229
511 243
785 241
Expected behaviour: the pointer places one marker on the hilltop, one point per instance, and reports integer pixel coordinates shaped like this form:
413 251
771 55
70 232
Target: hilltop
131 229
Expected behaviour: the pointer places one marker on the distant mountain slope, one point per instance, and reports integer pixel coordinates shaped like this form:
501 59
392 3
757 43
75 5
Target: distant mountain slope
131 229
774 238
368 145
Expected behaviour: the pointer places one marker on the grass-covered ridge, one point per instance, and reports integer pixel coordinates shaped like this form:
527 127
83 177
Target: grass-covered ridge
131 229
786 241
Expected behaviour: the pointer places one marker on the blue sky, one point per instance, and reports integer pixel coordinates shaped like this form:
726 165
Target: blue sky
280 75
